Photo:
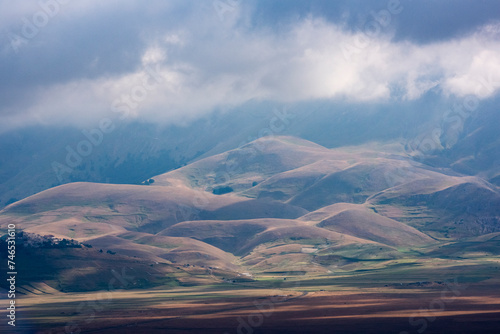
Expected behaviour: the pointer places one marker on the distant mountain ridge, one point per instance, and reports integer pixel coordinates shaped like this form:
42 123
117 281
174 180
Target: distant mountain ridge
135 150
285 200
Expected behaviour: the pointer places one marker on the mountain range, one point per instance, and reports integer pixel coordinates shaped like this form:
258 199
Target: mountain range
277 205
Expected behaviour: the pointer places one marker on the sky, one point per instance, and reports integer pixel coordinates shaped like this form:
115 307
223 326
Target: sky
67 62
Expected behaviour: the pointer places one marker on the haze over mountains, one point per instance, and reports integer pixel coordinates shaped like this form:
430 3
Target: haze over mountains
277 204
466 143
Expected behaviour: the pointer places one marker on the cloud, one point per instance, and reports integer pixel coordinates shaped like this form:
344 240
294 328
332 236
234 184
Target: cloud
206 57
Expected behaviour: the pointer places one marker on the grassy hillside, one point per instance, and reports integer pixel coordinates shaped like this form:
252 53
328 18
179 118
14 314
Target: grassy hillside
275 205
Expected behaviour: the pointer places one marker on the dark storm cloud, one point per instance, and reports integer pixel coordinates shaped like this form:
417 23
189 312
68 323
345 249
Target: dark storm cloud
77 42
103 40
89 55
420 21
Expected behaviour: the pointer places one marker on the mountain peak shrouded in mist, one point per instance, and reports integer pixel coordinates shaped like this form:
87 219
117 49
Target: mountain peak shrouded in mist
431 132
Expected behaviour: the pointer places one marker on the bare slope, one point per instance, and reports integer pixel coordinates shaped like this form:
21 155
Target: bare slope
137 208
366 224
241 236
273 205
455 207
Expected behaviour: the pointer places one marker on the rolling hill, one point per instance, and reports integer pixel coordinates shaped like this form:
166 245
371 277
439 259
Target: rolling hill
278 204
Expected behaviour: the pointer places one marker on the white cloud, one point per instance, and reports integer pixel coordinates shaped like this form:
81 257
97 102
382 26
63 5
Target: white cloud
481 76
154 55
200 73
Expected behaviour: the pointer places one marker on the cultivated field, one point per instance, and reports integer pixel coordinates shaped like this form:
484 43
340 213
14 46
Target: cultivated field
336 305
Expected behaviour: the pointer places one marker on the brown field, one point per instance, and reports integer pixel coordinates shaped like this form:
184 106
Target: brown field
436 308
